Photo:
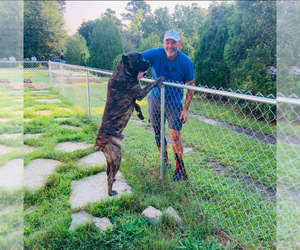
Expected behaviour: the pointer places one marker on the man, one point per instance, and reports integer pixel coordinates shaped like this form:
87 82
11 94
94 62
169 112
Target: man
176 67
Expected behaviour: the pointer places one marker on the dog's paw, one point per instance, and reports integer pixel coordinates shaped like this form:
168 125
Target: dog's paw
96 148
140 115
112 193
158 80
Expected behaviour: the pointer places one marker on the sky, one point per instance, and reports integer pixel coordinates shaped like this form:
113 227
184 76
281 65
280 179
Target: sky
80 11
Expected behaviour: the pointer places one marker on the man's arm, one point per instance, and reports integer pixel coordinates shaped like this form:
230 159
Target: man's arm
188 99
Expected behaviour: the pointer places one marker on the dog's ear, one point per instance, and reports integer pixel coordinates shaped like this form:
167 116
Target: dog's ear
124 58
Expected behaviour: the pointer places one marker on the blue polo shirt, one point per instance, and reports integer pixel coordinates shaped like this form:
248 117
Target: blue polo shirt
180 70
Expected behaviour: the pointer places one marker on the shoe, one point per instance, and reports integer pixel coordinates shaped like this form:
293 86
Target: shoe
177 176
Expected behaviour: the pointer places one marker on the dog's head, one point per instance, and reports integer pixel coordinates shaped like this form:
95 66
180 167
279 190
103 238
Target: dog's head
135 65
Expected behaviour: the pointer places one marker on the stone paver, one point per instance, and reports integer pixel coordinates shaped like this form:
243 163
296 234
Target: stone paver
49 100
94 189
18 113
70 147
35 136
173 214
62 119
4 119
6 149
11 174
152 214
71 127
79 218
44 112
37 172
27 149
10 136
39 91
93 159
66 109
27 120
102 223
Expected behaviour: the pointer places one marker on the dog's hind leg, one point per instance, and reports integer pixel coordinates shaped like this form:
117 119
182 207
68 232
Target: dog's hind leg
138 111
112 152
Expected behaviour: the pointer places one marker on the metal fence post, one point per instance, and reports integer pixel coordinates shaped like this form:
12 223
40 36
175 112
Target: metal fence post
162 131
50 73
88 92
62 80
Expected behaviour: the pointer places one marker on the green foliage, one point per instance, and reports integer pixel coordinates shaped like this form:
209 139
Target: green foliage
76 50
116 61
152 41
11 30
86 30
288 47
44 33
251 47
210 68
105 44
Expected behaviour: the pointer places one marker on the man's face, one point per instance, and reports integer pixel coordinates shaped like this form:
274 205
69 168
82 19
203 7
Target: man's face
171 48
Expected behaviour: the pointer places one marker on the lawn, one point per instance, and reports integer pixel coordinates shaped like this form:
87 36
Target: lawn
48 212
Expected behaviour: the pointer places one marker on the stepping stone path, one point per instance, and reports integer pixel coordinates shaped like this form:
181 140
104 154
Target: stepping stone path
44 112
49 100
35 136
37 172
82 218
11 174
70 147
94 189
154 215
96 158
27 149
27 120
71 127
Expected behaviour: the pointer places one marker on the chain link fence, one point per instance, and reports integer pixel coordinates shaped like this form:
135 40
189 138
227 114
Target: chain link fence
241 153
241 159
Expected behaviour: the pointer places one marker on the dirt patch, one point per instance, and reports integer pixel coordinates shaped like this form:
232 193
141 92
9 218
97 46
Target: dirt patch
259 136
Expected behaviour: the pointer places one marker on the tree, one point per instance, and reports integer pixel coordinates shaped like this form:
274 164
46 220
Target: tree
44 32
86 30
188 19
152 41
210 68
251 47
11 30
133 7
112 15
105 44
138 12
76 50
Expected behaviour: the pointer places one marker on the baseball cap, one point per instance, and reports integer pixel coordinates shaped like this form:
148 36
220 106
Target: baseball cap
172 34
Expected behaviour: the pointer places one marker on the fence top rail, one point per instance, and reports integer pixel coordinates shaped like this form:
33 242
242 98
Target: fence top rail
260 99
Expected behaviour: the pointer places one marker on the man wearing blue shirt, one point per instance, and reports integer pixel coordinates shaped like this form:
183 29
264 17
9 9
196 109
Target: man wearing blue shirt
176 67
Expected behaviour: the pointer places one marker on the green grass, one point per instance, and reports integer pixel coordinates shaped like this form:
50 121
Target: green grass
48 212
241 211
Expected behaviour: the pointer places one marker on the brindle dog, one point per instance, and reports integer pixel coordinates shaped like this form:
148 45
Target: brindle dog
122 92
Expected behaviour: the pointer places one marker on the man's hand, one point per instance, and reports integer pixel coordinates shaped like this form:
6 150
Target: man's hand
184 116
189 96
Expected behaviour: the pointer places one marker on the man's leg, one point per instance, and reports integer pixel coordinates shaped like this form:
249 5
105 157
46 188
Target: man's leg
177 146
154 116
